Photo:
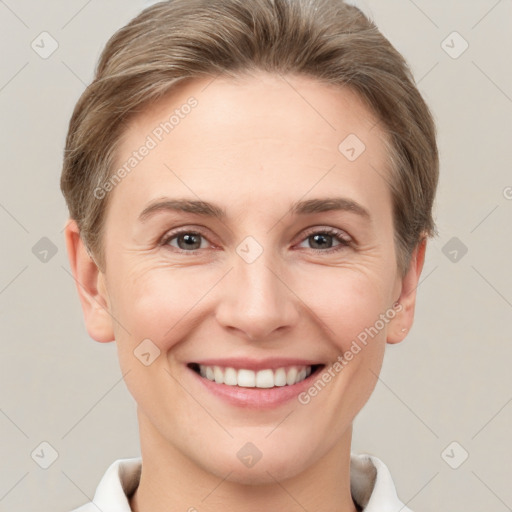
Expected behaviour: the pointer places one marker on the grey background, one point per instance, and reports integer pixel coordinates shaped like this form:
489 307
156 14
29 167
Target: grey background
450 380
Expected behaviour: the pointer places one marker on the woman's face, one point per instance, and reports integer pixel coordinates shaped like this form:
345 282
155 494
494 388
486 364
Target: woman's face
263 273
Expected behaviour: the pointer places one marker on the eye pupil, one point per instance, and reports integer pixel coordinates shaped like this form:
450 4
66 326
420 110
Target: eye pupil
191 240
319 237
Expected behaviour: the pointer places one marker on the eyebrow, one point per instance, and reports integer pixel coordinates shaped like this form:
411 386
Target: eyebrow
207 209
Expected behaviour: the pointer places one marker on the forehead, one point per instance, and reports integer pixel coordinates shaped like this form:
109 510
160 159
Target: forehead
252 103
265 134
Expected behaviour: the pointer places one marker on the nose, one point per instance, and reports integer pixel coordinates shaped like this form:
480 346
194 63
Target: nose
256 301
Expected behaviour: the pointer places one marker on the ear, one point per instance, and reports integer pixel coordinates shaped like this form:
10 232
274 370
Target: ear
402 322
90 284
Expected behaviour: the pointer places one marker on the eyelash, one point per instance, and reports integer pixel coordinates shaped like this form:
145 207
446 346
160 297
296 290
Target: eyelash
338 235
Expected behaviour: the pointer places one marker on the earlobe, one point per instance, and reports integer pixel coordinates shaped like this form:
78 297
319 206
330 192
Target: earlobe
403 320
90 284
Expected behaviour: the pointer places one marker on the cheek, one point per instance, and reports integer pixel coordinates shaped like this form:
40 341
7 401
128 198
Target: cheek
158 303
347 301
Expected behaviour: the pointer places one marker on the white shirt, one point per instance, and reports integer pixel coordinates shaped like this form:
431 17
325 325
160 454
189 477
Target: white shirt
371 486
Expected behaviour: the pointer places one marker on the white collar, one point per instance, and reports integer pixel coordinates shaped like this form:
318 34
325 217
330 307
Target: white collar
371 486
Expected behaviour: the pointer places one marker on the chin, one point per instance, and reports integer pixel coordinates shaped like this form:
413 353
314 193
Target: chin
267 470
262 474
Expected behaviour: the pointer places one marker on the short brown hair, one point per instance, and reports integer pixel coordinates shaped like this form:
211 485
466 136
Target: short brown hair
328 40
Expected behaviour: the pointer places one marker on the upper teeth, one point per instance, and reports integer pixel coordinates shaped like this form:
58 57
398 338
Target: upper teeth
250 379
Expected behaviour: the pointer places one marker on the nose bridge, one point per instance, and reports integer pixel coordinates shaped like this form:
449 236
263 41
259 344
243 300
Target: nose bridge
255 300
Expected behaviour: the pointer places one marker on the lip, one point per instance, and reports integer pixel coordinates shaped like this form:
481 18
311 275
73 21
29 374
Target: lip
255 398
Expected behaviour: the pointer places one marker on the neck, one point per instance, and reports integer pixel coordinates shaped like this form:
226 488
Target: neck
172 481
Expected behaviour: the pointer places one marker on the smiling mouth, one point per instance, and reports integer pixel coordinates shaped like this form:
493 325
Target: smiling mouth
264 379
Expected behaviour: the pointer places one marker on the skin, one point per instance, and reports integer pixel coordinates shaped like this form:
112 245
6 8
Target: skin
252 146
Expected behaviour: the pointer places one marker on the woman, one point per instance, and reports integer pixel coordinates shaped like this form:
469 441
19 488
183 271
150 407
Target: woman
250 187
